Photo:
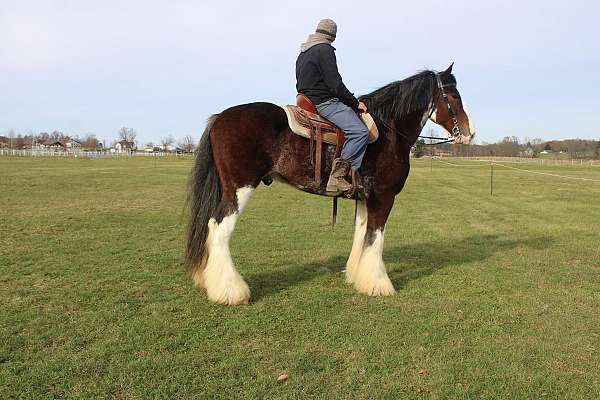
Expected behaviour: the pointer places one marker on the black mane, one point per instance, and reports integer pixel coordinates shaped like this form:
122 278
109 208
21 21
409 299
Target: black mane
398 99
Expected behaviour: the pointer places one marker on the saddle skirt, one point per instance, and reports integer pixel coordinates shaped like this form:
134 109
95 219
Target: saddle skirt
304 123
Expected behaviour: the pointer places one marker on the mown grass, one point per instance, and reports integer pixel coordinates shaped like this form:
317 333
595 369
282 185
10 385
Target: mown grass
498 296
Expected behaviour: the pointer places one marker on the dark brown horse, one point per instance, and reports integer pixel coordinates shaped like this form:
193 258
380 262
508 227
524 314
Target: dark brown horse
250 143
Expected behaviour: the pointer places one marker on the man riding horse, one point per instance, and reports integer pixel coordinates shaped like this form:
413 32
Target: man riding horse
318 78
247 144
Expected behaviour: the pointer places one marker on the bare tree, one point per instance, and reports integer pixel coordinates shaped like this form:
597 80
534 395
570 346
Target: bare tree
166 141
11 135
187 144
89 141
57 135
127 134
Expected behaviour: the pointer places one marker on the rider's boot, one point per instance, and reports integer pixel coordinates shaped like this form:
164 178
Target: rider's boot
337 182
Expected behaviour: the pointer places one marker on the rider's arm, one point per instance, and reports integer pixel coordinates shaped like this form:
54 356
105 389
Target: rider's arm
332 78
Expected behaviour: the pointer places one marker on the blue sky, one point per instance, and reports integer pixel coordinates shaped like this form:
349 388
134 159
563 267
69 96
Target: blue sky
528 69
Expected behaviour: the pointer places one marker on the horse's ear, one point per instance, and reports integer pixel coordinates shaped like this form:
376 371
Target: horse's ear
449 69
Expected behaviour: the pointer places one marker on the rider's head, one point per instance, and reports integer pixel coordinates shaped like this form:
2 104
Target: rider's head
327 28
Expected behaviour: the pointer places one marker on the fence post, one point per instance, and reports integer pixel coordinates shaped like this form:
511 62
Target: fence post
491 179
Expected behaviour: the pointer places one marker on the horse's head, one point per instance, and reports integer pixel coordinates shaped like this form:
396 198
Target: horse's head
449 110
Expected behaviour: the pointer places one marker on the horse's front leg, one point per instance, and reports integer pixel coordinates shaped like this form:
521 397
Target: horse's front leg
360 230
369 275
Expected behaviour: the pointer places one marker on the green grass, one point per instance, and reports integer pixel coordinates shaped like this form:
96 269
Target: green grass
498 297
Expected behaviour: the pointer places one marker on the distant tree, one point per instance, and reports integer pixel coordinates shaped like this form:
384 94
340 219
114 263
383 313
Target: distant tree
187 144
57 135
11 135
19 142
597 151
127 134
149 145
509 146
419 148
90 142
547 147
166 141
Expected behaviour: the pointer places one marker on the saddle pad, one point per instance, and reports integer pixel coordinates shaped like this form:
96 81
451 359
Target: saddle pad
300 122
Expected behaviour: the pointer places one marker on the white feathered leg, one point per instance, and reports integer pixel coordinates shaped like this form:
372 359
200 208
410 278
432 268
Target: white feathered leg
370 276
360 229
223 283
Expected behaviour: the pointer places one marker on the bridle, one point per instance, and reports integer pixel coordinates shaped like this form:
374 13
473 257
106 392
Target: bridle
455 128
453 115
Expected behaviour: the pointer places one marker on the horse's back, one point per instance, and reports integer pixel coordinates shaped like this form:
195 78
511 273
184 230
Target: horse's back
258 114
248 138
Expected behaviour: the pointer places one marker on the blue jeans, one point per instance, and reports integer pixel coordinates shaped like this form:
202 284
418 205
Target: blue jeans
357 135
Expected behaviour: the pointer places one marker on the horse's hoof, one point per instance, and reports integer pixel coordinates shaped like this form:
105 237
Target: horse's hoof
231 297
230 290
380 287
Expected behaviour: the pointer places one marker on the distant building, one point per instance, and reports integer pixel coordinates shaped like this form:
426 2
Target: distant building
4 142
528 152
152 149
55 144
125 146
73 144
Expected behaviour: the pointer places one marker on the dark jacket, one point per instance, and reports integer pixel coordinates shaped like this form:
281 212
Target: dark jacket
318 78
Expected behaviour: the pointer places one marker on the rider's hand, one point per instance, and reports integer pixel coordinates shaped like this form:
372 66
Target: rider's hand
362 107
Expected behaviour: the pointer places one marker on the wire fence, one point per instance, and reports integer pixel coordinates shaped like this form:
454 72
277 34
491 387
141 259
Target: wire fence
548 173
505 163
530 160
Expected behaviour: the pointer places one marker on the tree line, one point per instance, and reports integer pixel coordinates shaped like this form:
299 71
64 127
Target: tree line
512 146
92 142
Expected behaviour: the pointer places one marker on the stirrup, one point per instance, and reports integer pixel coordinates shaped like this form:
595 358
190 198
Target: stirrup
357 189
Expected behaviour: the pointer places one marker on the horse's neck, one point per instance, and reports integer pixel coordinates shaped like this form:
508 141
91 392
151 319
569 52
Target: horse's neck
411 126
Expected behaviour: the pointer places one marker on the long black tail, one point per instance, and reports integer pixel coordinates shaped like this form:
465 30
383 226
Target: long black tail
204 196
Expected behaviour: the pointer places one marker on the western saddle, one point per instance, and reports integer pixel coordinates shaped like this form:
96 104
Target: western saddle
304 120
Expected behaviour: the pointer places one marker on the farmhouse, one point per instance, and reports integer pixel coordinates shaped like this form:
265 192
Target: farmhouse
124 146
528 152
55 144
73 143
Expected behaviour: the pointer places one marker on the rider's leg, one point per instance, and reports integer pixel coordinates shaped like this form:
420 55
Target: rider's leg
357 139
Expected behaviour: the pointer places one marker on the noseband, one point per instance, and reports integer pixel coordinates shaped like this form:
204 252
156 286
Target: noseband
455 128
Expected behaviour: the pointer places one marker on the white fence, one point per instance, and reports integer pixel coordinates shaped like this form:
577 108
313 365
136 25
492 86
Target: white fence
82 153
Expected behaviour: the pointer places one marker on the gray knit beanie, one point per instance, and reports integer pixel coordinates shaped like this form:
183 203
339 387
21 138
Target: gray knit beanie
327 27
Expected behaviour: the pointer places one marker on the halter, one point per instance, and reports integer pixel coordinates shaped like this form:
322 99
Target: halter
455 128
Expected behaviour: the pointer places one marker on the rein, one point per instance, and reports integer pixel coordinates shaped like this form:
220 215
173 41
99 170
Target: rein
441 140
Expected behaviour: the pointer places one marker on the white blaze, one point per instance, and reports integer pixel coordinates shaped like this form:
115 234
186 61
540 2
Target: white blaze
471 123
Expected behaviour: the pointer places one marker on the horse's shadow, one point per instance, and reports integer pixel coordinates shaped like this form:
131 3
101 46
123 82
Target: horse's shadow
405 263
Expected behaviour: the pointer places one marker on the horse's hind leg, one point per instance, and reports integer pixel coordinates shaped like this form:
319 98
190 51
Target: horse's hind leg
370 276
223 283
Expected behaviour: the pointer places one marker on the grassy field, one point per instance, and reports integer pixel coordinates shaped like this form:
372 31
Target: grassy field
498 296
